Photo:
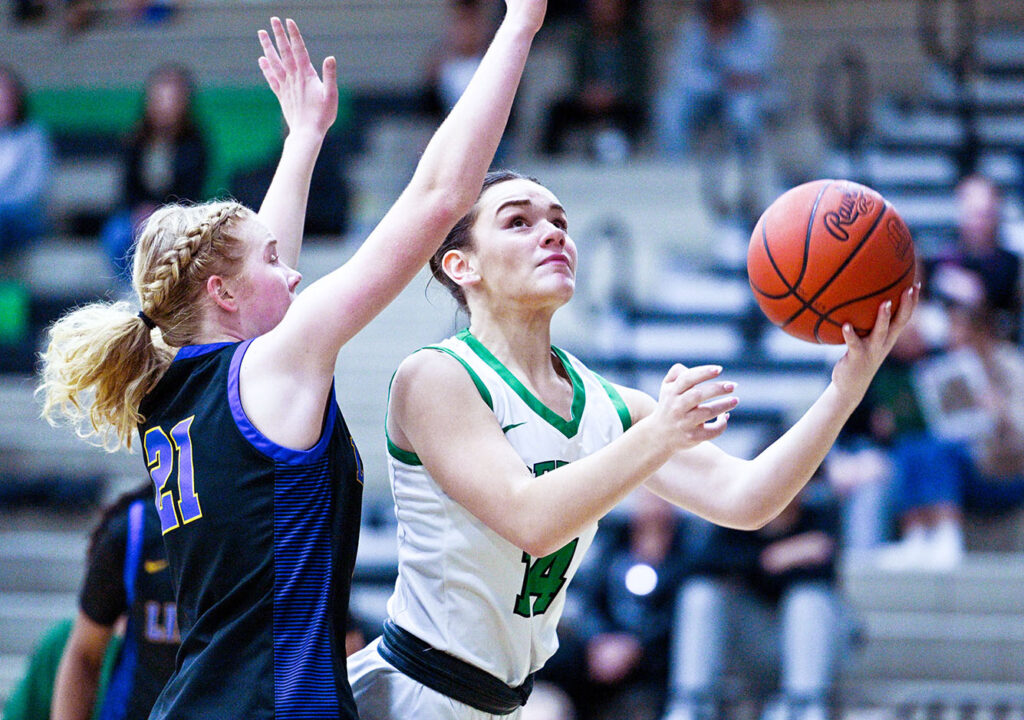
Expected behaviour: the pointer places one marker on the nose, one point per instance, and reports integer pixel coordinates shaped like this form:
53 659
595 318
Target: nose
554 236
294 280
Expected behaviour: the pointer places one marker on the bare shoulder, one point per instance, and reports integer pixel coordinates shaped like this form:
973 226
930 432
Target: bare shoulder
640 404
429 374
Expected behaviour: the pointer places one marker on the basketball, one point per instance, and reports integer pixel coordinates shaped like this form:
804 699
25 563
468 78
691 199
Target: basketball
826 253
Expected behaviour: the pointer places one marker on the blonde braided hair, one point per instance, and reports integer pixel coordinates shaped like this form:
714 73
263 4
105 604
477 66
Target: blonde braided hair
102 358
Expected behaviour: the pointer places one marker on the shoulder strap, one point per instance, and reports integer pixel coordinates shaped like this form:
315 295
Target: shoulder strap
133 552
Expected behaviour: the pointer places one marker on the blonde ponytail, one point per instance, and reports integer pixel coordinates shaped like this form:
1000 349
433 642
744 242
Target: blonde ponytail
103 358
100 362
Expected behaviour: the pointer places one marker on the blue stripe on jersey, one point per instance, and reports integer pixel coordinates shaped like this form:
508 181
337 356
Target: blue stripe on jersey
193 351
260 441
304 682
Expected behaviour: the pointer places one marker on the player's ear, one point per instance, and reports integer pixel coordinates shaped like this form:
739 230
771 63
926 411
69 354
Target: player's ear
460 266
220 293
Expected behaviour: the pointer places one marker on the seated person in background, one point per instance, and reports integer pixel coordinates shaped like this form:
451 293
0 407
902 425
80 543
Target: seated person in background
165 160
969 456
720 71
979 249
627 599
26 168
760 601
466 34
609 82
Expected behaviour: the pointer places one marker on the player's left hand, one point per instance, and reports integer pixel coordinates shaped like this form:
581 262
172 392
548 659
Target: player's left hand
308 104
854 371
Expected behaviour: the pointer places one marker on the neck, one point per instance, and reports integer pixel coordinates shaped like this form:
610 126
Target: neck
522 342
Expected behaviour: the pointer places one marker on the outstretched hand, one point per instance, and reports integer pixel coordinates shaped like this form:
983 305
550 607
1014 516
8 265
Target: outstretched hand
691 407
307 103
854 371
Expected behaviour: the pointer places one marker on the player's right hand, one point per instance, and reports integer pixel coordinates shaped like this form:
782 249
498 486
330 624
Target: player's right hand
307 102
691 407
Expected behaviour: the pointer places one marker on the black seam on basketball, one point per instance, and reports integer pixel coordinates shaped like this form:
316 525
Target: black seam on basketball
810 230
807 245
827 317
846 261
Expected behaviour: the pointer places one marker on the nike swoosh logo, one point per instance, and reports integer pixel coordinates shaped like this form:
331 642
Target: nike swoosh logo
513 425
154 566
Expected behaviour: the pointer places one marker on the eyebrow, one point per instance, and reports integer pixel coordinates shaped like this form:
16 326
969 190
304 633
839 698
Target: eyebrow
523 202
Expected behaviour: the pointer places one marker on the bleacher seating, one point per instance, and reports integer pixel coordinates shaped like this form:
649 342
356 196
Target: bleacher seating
929 639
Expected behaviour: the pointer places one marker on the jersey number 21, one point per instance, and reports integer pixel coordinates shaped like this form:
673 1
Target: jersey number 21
165 453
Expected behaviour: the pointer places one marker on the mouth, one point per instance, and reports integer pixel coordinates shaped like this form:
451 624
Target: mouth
557 258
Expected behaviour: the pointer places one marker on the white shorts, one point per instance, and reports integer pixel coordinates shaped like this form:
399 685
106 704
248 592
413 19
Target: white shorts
384 693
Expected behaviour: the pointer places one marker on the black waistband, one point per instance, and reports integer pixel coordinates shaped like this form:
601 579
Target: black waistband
448 675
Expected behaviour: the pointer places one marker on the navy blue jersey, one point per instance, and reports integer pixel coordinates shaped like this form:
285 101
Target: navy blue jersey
261 541
152 640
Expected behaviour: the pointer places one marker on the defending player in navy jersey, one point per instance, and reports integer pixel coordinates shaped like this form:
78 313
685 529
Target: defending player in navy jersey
226 373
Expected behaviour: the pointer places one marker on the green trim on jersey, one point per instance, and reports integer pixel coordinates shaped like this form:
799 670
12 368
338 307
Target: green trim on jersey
579 396
405 456
480 386
617 401
411 458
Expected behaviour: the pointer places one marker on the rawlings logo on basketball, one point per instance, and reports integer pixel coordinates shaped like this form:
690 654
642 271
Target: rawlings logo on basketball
899 236
854 204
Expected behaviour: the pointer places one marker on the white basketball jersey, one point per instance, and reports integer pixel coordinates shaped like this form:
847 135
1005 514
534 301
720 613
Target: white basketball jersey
463 588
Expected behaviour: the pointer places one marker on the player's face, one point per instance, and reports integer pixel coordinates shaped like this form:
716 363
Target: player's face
265 285
521 245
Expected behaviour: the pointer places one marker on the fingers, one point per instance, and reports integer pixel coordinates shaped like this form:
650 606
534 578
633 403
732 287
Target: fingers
299 53
330 80
685 377
908 304
284 46
269 74
270 63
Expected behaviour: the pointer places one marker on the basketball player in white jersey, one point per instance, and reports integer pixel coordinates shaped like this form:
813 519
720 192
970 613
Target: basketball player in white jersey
504 452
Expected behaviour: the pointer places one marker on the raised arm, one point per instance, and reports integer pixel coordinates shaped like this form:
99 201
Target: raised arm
287 373
310 107
746 494
443 188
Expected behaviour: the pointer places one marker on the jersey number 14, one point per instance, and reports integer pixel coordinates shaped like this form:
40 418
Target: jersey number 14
544 577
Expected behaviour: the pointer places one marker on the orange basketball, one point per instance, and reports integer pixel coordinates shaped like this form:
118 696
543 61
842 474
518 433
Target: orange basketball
826 253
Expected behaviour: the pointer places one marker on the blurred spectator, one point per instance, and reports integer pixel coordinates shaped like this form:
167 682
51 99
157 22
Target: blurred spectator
329 215
759 601
26 11
613 650
26 168
469 27
860 467
165 160
467 32
979 249
81 14
628 605
31 697
127 577
719 75
609 83
969 457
